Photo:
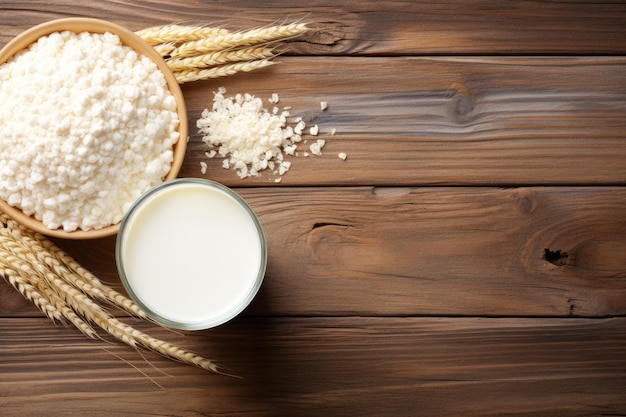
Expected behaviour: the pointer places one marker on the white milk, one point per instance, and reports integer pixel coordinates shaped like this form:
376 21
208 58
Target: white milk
191 254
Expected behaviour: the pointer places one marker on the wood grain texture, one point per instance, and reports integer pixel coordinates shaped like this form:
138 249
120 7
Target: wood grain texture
467 259
439 121
327 366
427 251
383 27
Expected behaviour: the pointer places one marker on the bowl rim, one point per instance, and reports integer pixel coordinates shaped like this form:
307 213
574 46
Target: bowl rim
127 38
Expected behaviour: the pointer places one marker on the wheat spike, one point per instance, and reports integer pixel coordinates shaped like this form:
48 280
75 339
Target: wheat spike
66 268
30 280
29 292
75 274
233 40
178 33
220 58
223 71
138 339
165 49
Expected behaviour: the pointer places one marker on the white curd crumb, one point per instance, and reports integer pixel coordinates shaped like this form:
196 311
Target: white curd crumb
203 167
274 99
316 147
342 155
290 149
332 132
299 127
284 167
252 138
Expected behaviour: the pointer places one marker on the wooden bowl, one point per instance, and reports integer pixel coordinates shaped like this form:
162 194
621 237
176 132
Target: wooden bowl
129 39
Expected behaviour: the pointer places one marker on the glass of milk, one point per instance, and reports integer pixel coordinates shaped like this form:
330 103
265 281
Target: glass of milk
191 253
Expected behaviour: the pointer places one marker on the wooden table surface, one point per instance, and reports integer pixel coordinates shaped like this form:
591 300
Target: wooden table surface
467 259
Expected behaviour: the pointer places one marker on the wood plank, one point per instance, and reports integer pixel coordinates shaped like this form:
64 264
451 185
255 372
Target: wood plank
327 366
426 251
439 121
389 27
442 251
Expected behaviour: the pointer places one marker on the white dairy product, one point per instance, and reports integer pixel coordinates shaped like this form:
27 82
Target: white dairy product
87 126
248 136
191 253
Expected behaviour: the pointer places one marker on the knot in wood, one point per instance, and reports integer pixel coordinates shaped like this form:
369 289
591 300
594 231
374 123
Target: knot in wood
462 107
526 200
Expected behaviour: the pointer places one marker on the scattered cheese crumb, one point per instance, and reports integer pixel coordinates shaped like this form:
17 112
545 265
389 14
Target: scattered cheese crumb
332 132
291 149
251 139
316 148
275 99
203 167
299 127
284 167
342 155
245 133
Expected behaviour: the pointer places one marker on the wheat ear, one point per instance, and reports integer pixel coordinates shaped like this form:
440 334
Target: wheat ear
137 339
220 58
70 270
178 33
238 39
66 268
125 333
34 286
222 71
28 291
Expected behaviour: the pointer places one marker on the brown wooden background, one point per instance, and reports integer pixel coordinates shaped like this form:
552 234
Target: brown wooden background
412 278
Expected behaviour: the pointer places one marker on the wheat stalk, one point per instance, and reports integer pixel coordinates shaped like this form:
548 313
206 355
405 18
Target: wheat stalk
196 53
137 339
30 279
66 268
178 33
220 58
238 39
28 291
73 273
196 74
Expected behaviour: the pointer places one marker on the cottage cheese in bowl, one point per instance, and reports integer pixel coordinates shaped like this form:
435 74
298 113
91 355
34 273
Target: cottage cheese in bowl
89 123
